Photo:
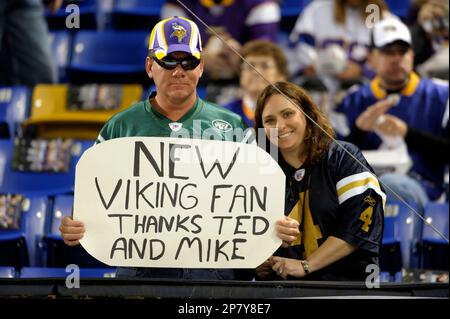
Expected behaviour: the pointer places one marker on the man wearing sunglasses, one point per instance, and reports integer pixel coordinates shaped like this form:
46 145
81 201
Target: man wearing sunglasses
175 64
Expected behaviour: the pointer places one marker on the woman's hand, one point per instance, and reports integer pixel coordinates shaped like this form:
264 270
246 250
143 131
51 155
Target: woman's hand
285 267
287 230
265 269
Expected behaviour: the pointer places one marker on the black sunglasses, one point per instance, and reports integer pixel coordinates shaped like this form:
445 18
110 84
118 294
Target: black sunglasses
170 63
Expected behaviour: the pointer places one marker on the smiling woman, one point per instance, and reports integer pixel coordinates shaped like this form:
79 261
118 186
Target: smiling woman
290 127
337 202
285 126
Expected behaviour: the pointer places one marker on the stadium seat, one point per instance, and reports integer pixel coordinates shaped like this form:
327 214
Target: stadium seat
87 15
13 249
399 7
42 272
19 247
35 221
7 272
60 43
435 248
148 91
400 238
62 207
37 183
201 91
52 118
109 57
14 109
59 254
290 10
135 14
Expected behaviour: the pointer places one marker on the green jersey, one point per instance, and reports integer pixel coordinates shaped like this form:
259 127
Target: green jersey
203 121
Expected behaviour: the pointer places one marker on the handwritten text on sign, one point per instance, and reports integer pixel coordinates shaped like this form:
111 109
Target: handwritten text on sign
163 202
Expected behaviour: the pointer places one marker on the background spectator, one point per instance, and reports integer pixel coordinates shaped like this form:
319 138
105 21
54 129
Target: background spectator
430 39
25 57
417 114
268 59
332 37
236 21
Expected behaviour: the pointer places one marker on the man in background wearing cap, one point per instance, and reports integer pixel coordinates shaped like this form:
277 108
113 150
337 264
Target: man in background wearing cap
174 63
400 106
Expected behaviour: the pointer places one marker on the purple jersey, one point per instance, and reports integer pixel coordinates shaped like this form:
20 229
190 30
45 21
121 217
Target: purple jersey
424 106
244 20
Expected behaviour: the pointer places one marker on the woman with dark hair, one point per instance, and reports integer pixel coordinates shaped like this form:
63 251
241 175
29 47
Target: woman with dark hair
337 202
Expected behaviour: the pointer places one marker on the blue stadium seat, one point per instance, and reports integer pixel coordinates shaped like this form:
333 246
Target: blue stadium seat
434 247
7 272
40 272
14 109
13 248
146 93
135 14
138 7
19 248
201 91
87 15
60 42
400 238
35 222
293 8
59 254
109 57
62 207
290 10
386 276
399 7
19 182
437 214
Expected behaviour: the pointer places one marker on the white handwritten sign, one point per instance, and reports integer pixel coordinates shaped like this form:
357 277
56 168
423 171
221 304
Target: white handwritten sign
170 202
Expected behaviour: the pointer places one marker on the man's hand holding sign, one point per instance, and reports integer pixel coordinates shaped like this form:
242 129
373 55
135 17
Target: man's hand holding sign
160 202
